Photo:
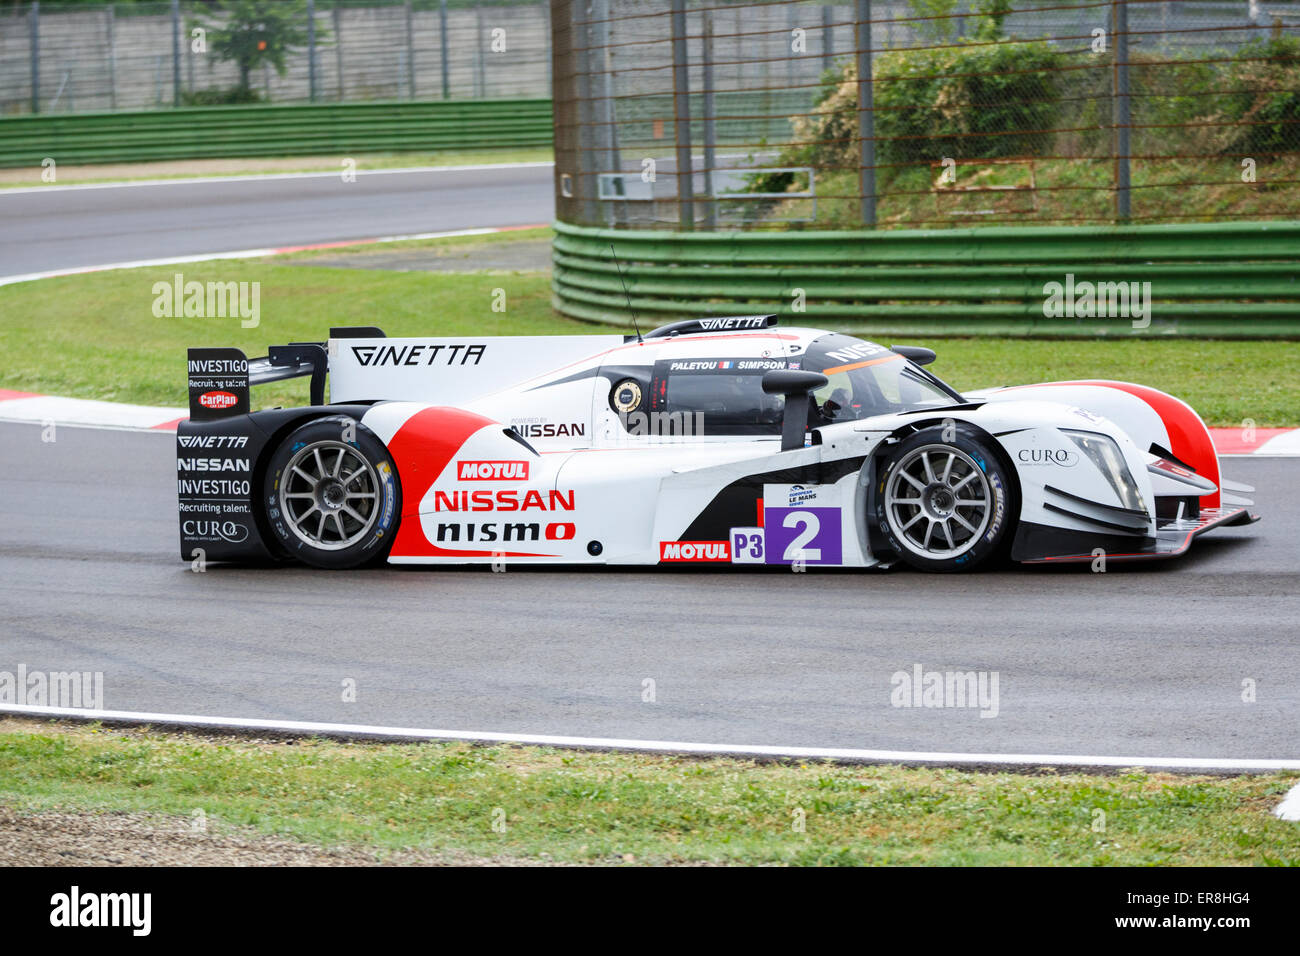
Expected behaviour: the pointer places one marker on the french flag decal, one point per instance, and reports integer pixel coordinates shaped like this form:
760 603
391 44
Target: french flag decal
725 364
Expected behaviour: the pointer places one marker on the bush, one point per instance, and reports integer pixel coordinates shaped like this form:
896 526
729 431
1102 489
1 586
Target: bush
1268 104
966 102
980 102
233 96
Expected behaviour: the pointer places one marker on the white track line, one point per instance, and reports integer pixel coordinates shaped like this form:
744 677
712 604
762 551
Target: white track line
42 409
258 177
258 253
658 746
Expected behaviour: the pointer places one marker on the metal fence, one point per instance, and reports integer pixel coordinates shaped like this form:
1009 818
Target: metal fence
130 56
703 114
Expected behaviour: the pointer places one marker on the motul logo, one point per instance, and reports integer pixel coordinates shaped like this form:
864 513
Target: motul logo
694 550
492 471
218 400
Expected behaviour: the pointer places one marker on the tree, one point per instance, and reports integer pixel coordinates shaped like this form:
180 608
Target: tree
990 26
934 18
252 32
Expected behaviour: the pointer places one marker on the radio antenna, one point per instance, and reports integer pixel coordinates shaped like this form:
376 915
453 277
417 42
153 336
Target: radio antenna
636 325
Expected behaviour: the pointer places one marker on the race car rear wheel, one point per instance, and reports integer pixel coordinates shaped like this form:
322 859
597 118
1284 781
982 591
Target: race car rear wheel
944 500
331 494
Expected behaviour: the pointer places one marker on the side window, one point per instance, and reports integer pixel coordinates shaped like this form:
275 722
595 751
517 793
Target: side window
718 396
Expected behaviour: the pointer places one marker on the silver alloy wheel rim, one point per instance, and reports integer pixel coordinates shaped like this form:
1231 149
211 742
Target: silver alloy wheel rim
938 502
330 495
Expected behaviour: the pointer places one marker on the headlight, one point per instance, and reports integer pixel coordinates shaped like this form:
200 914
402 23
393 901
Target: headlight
1102 451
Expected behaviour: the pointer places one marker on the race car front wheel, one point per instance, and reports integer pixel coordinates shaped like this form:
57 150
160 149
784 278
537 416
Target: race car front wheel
944 500
331 494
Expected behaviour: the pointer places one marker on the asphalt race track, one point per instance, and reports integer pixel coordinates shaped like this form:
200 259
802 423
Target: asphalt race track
47 230
1142 660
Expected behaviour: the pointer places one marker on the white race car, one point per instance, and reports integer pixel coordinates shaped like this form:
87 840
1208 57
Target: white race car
720 440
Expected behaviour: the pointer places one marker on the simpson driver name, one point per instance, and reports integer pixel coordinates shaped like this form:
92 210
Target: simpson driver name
1098 300
208 300
83 690
922 688
75 908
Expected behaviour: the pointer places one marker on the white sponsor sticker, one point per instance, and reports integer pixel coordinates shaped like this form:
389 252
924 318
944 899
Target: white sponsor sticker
747 546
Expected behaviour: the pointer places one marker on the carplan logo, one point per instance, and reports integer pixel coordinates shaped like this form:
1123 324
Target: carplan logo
492 470
131 910
694 550
218 400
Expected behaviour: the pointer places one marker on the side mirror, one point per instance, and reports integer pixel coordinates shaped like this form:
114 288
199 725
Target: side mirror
916 353
797 386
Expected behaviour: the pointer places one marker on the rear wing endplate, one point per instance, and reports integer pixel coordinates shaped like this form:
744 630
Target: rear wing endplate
220 379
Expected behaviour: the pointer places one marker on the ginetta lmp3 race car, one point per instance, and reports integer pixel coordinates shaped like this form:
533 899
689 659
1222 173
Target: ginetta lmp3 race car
729 440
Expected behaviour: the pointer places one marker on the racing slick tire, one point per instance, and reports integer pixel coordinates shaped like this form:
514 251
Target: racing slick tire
945 500
331 495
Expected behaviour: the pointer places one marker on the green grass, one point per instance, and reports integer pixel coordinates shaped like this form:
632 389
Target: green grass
260 166
1064 191
446 246
602 807
1225 381
95 335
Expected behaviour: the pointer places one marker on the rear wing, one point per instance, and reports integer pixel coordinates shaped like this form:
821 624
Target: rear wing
365 365
220 379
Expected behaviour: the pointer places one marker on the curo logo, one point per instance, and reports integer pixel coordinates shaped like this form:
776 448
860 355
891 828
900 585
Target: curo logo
201 530
1047 456
218 400
694 550
492 470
